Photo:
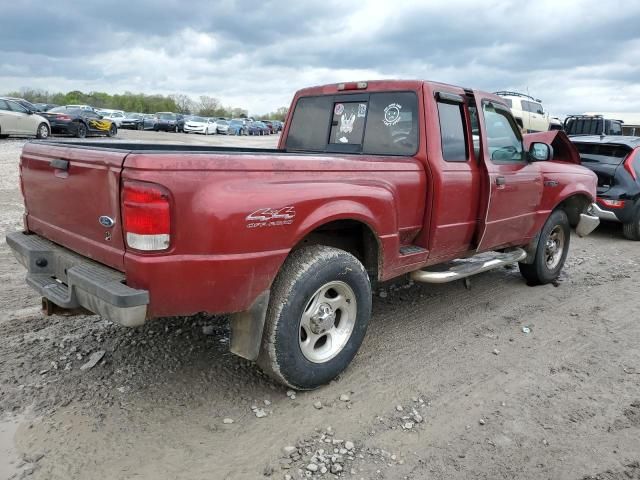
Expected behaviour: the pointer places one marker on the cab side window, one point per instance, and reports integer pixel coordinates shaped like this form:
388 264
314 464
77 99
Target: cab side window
503 138
4 105
452 133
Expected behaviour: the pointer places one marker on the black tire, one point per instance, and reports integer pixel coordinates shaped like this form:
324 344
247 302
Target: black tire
43 131
540 272
113 130
305 273
81 130
631 230
140 126
177 129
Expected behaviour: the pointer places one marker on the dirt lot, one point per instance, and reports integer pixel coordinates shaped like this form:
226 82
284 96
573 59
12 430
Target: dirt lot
448 384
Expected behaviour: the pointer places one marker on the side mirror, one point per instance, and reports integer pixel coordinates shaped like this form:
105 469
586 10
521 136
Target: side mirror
30 112
540 152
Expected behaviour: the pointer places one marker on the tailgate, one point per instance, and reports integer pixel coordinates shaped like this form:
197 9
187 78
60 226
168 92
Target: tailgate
71 192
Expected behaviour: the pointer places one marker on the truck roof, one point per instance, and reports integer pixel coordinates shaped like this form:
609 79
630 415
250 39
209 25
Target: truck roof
382 85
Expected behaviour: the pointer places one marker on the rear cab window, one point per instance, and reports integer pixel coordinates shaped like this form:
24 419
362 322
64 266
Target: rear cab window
384 123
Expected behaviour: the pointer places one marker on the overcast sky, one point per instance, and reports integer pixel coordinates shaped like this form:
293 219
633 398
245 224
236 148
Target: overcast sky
576 56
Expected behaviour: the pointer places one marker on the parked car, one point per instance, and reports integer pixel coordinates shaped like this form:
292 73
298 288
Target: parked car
253 128
44 107
269 125
616 162
223 127
25 103
16 119
88 108
591 125
277 125
79 122
168 122
290 243
133 121
237 126
195 124
116 116
264 130
528 112
149 121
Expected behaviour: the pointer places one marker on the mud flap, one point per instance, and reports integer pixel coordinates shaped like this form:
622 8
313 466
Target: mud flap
247 327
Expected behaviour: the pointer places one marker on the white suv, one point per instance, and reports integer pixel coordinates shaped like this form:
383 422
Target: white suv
529 113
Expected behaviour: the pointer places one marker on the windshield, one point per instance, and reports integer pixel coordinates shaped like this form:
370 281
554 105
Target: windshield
197 119
384 123
235 122
133 115
222 122
166 116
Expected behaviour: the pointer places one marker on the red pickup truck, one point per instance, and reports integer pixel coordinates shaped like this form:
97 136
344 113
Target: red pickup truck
370 181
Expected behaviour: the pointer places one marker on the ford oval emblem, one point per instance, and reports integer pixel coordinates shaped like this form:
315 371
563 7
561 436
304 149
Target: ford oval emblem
107 222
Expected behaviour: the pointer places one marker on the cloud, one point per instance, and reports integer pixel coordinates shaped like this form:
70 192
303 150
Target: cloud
575 55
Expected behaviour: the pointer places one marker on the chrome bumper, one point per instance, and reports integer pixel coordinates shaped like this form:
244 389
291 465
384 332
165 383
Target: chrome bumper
588 221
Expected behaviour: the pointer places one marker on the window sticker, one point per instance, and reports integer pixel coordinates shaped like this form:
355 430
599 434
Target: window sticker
362 110
338 109
392 114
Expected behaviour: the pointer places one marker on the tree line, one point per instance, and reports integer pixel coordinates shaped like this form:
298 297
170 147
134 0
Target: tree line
205 105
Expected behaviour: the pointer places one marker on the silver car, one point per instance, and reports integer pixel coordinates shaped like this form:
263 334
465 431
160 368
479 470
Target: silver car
16 119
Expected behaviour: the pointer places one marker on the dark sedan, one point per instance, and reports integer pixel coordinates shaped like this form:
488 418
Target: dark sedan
133 121
169 122
79 122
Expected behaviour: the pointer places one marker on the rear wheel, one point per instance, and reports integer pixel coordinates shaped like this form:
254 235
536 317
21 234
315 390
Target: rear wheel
631 230
113 130
43 131
551 252
177 129
317 317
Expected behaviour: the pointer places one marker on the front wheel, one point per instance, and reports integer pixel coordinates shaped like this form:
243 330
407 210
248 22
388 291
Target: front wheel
113 130
317 317
43 131
551 251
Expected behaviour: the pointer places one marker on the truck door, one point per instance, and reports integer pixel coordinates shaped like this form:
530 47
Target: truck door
514 189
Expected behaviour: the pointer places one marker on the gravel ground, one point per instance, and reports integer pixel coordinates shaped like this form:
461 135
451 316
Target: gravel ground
499 381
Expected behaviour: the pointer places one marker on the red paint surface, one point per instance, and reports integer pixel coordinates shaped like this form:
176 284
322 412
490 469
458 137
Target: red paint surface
217 263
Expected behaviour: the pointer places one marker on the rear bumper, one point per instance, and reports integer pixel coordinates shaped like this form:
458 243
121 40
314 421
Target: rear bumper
70 280
624 214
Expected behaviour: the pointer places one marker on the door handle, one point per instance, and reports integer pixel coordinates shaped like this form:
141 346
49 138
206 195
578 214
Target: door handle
500 180
59 164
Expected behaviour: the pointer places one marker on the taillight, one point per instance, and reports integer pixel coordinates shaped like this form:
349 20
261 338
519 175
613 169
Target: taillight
611 203
628 164
63 117
146 216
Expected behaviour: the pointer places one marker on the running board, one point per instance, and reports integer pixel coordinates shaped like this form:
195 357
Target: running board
471 266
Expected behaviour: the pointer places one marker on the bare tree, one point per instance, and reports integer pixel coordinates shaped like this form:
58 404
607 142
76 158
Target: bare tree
208 106
184 104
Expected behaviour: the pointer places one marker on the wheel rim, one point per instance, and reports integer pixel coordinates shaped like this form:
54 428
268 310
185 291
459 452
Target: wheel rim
327 322
554 247
44 131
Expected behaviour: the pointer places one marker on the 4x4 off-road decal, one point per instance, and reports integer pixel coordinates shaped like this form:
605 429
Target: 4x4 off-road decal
271 217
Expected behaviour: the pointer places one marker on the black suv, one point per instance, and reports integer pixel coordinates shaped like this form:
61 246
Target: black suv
591 125
616 162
